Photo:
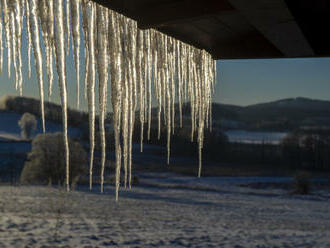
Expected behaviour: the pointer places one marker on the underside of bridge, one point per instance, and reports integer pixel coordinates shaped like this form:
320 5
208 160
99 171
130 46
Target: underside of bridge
236 29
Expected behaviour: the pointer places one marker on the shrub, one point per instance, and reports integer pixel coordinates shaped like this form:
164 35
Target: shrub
302 183
46 161
28 124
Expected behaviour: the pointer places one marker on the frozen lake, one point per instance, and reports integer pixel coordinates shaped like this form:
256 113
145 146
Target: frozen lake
249 137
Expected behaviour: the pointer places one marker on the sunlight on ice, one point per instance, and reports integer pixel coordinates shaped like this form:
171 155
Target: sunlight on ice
140 67
61 71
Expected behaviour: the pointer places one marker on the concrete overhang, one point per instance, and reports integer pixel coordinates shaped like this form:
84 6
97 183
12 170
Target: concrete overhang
237 29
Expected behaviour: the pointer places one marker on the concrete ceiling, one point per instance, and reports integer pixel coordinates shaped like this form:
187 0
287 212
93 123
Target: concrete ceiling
236 29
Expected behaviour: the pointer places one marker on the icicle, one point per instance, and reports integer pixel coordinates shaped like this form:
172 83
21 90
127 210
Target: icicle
6 21
179 76
102 63
68 34
37 56
51 40
125 101
61 71
172 78
43 12
200 135
75 19
91 87
19 28
158 85
191 93
140 83
125 122
29 40
132 92
86 49
14 43
116 91
166 89
149 67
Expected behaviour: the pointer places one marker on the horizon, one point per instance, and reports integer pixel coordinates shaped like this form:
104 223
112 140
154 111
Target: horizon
239 82
236 105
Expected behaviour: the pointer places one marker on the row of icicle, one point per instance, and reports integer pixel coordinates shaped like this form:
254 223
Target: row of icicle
141 66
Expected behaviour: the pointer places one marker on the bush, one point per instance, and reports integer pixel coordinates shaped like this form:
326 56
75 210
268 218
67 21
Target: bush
302 183
46 161
28 124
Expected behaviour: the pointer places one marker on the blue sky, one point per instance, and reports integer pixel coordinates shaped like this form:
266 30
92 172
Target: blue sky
239 82
245 82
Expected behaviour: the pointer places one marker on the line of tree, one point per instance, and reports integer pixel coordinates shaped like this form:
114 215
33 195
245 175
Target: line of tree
307 150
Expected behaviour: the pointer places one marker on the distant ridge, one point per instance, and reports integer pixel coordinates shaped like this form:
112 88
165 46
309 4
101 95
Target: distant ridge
289 113
53 111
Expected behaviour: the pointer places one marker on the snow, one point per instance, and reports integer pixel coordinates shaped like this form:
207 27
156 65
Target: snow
161 217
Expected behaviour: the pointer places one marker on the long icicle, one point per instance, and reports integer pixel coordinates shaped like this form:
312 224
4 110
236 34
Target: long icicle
43 13
68 29
29 36
102 63
132 93
86 49
75 19
116 91
149 54
91 87
61 71
6 21
14 42
37 56
51 40
19 29
141 79
125 105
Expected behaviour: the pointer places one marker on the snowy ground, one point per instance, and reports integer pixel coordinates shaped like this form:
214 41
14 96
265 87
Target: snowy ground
163 217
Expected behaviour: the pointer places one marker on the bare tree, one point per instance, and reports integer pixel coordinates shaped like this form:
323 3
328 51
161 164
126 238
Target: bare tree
28 124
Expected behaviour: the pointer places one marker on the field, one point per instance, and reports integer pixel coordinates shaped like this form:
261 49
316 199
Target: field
165 211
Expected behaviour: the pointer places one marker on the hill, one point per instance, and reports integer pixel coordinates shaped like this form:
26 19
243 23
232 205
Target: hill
282 114
9 129
53 112
12 108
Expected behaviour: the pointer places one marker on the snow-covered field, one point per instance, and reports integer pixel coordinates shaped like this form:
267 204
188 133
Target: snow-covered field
149 216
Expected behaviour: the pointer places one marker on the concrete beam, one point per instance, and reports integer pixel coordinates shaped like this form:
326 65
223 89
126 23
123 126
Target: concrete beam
250 46
274 20
159 15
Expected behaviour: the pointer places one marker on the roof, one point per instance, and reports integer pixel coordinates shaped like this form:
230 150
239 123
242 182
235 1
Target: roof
236 29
